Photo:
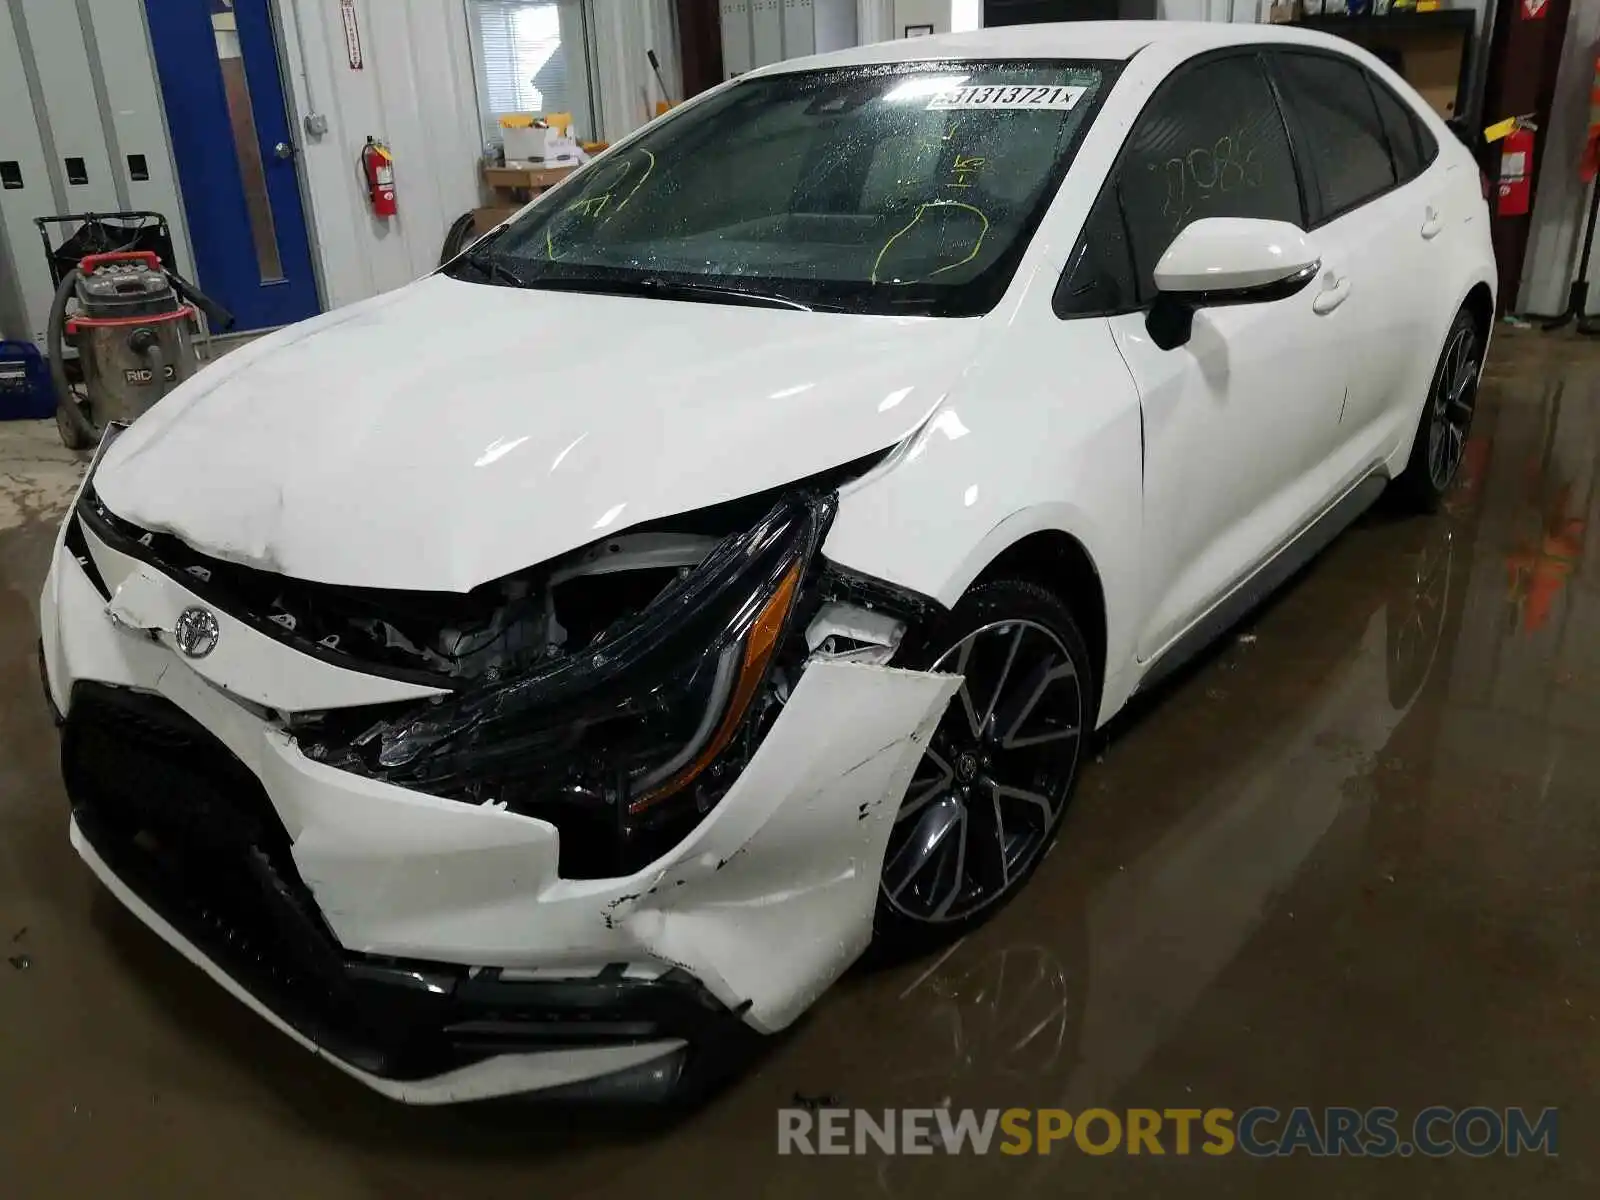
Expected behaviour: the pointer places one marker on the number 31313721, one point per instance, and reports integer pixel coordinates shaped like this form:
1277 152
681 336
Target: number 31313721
1023 95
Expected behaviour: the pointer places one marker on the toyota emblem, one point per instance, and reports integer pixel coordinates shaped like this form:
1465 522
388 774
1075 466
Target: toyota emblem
196 632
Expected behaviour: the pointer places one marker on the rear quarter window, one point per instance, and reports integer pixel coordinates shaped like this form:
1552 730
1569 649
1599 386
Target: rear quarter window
1410 142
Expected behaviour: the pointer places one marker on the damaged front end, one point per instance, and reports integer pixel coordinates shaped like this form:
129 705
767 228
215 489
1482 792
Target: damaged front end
712 673
626 730
617 692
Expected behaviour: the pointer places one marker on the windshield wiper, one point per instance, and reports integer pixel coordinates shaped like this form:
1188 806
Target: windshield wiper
727 295
666 289
492 267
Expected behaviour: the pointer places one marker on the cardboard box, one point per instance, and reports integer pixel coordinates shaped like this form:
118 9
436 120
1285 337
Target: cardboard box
543 146
485 219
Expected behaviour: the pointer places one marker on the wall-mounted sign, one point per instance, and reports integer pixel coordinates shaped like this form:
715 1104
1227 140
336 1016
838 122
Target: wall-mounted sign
352 35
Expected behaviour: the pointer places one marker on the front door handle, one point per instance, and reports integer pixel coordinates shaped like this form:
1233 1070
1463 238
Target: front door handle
1432 223
1335 291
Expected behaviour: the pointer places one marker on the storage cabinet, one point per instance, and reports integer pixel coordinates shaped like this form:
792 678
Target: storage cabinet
84 132
758 32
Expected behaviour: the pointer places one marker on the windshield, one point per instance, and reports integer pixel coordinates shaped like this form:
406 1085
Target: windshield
886 189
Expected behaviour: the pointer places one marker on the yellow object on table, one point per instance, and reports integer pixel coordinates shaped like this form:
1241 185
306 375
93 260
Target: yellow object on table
560 122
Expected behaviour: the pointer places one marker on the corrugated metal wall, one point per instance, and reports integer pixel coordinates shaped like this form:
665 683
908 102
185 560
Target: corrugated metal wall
1558 213
874 21
77 80
758 32
415 91
624 83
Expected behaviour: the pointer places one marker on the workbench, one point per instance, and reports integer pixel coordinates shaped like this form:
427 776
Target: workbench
512 186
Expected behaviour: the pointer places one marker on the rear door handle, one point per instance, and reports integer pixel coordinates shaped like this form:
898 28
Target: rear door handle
1334 293
1432 223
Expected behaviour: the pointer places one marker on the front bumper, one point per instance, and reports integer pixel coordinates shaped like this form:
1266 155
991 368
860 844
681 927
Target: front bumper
429 947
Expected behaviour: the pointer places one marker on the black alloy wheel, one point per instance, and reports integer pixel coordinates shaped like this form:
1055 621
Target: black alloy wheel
989 793
1446 422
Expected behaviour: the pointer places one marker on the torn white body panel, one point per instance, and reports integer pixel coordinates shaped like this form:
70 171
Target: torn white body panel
850 633
790 857
245 662
765 903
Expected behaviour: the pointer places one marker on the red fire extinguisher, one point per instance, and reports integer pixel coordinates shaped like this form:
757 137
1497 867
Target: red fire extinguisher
377 166
1516 172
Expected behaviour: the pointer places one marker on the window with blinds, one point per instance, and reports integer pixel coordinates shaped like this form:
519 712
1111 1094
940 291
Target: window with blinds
531 56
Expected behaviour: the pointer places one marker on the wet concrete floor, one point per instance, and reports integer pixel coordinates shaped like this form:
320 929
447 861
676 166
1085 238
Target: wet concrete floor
1350 859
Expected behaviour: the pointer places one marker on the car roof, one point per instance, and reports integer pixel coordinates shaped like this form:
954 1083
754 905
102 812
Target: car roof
1116 40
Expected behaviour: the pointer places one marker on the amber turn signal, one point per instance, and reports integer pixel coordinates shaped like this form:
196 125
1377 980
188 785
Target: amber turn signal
760 644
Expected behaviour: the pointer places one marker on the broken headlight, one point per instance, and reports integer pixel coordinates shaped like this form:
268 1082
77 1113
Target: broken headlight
624 743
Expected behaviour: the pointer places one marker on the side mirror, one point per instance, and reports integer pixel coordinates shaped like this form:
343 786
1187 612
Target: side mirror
1226 260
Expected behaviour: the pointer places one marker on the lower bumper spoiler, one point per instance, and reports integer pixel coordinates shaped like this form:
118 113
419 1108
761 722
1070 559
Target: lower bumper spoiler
446 1014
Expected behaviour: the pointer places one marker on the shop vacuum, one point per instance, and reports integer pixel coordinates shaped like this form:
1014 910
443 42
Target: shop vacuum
131 331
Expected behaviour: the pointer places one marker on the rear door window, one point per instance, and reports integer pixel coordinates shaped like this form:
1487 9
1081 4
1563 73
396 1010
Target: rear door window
1337 128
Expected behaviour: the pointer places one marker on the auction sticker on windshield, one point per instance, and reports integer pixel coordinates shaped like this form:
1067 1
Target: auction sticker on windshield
1021 95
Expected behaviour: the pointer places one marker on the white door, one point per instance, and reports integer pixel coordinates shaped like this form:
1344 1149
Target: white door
1237 422
1382 223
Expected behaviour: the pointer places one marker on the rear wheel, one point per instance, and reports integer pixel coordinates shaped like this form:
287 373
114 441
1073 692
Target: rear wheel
1446 418
989 793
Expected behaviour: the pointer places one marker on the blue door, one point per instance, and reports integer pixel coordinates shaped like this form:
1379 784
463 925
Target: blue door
235 151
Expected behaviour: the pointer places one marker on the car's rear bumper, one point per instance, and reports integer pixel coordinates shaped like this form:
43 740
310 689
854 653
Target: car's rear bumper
430 947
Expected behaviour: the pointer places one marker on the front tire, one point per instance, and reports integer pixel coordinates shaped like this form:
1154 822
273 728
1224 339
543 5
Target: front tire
1446 420
988 796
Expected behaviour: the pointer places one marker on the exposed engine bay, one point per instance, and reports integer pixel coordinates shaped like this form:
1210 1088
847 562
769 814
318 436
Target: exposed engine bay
511 624
452 640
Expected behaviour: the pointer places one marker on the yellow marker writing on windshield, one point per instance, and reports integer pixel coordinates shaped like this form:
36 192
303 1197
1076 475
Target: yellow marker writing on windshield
922 208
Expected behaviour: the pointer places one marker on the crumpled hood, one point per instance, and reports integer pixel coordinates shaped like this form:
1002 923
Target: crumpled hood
450 433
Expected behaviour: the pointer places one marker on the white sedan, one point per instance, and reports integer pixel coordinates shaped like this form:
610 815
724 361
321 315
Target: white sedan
554 673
